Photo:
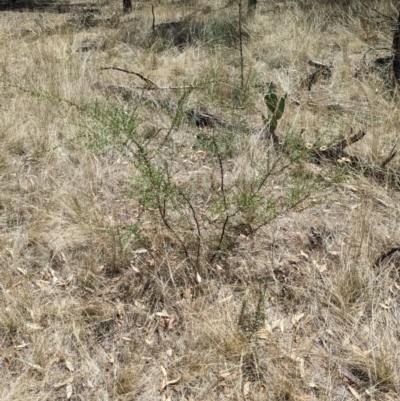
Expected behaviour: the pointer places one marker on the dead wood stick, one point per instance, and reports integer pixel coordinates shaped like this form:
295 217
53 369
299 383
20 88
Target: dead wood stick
349 141
336 151
385 255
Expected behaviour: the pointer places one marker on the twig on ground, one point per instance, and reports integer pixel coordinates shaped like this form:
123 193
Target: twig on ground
335 151
346 142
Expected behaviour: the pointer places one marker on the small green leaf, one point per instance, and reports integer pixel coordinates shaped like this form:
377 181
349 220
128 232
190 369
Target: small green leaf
271 101
281 107
275 106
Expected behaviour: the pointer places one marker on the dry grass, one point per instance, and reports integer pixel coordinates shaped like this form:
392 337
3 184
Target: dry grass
98 299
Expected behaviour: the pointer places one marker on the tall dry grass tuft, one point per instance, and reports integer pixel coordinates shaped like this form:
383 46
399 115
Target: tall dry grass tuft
144 257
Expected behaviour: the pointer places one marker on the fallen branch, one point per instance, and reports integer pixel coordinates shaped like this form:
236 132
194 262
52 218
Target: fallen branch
385 255
336 154
336 151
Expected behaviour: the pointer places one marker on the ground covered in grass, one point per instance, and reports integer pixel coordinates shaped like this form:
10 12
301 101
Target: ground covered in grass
156 244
